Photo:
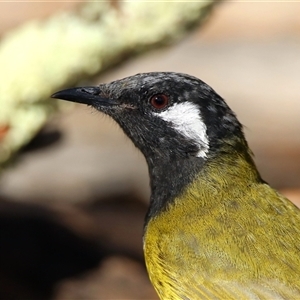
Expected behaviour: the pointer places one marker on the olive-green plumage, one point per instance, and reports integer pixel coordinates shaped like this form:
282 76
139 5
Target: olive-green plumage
214 229
240 241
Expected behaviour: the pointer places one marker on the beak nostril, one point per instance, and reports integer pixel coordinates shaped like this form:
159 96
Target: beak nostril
91 90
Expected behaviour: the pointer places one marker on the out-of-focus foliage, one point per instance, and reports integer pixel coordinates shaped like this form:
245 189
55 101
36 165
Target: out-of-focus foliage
43 56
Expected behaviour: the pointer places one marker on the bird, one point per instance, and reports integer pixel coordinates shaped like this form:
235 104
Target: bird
214 228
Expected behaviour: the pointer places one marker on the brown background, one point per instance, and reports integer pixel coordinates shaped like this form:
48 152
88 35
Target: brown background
87 191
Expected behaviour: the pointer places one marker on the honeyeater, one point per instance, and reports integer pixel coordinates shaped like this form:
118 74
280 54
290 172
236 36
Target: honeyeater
214 229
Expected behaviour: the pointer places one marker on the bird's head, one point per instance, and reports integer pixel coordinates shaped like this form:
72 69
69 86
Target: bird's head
168 116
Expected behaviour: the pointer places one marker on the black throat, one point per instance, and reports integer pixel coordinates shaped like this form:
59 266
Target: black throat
168 179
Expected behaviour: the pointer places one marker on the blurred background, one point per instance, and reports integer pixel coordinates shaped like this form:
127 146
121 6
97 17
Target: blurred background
73 189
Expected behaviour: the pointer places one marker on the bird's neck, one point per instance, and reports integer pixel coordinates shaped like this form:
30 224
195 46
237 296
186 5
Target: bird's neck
169 179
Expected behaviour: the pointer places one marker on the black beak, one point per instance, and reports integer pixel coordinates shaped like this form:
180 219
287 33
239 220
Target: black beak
86 95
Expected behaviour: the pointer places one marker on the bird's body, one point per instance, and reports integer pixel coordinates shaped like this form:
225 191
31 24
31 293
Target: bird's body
214 229
228 244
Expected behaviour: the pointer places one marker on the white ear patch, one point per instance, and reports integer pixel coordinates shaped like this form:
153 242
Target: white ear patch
185 117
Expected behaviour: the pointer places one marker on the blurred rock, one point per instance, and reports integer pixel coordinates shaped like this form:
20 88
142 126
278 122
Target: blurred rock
119 278
37 251
40 246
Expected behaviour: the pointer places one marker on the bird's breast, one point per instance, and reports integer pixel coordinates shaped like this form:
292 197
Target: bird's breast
210 244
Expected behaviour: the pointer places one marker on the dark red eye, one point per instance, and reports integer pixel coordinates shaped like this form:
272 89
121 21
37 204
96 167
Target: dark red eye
159 101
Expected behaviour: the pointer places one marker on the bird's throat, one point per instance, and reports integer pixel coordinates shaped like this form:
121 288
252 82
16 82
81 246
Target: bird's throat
169 180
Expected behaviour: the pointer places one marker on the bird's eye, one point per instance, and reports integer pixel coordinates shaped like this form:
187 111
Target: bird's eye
159 101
